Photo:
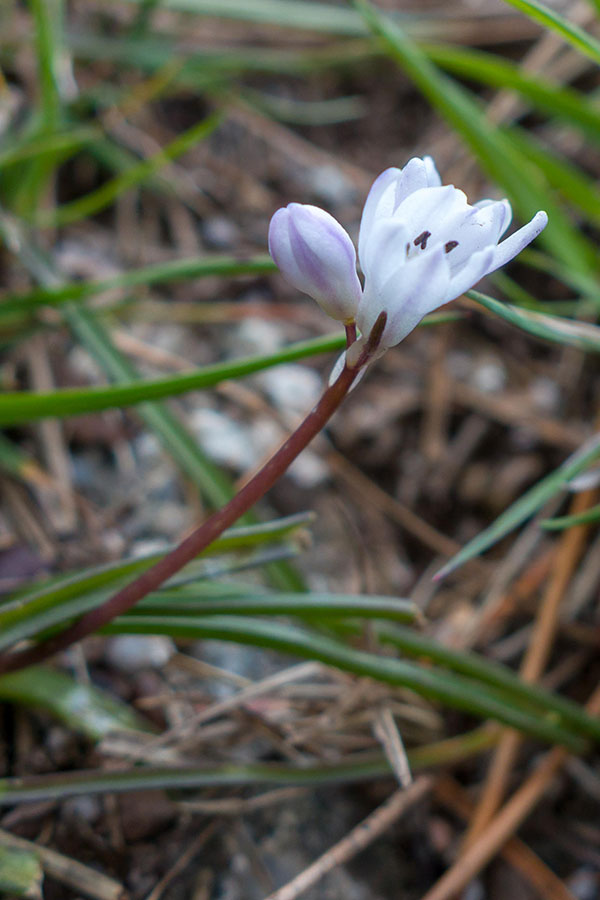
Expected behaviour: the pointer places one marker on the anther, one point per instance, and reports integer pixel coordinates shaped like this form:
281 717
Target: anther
450 246
422 239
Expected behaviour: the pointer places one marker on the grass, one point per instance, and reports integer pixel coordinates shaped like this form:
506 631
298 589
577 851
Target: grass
124 124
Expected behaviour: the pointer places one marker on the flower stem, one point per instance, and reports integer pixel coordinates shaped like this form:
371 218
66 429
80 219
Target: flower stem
204 535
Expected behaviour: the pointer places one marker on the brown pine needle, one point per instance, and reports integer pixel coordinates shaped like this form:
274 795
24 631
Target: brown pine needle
356 840
538 651
508 820
549 886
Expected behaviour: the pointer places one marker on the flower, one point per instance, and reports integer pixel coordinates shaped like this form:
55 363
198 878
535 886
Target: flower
420 245
317 256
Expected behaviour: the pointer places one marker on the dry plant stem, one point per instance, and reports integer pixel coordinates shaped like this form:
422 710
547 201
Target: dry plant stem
534 663
549 886
508 820
67 871
205 534
357 839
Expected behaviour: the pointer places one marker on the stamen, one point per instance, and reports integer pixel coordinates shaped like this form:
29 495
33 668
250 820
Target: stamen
422 239
407 249
450 246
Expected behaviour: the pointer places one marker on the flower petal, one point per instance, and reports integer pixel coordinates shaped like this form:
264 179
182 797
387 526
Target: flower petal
316 255
385 251
480 228
517 241
380 202
416 174
436 210
406 297
477 266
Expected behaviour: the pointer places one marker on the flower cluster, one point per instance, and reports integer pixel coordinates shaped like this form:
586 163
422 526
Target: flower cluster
420 245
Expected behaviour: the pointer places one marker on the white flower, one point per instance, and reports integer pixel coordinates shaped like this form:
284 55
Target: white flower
420 245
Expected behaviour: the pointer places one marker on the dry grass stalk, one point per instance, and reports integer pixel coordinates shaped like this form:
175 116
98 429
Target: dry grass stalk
508 820
538 651
356 840
68 871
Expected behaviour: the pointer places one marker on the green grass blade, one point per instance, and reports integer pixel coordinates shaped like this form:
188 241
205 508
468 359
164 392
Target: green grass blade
82 707
562 522
448 688
553 20
313 606
142 778
487 68
474 666
569 180
62 143
173 270
22 406
28 613
547 327
99 199
524 183
527 505
21 873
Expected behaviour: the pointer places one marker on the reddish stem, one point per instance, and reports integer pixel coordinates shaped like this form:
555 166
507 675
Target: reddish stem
204 535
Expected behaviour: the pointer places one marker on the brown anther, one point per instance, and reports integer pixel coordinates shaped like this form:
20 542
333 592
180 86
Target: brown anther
422 239
450 246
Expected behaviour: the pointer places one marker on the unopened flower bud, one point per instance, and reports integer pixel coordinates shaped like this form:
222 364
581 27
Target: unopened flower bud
316 255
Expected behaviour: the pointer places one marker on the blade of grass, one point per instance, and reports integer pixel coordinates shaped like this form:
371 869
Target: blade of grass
23 406
448 688
487 68
63 143
323 606
99 199
27 613
526 505
488 672
173 270
561 522
82 707
142 778
553 20
582 335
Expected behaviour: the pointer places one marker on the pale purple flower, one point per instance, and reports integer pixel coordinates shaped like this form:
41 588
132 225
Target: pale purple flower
317 256
420 245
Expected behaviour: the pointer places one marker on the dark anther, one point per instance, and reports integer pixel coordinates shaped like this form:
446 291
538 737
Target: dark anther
450 246
422 239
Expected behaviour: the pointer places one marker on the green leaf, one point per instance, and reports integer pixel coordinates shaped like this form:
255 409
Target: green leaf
22 406
313 606
142 778
487 68
28 613
553 20
562 522
21 873
173 270
528 504
570 332
32 146
99 199
82 707
446 687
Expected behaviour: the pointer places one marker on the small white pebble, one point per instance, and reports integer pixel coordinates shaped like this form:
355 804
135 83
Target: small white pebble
489 377
292 388
129 653
222 439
